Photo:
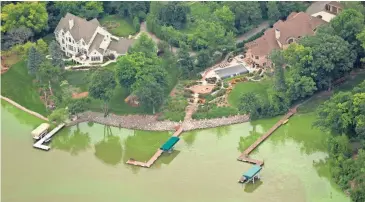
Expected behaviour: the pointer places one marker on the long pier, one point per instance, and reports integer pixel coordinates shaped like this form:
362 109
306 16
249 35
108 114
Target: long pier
244 156
39 143
154 158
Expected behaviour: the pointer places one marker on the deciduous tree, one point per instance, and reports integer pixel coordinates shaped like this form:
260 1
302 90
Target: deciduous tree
273 12
32 15
102 86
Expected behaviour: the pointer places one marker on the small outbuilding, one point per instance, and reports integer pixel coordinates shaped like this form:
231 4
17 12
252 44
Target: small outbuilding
231 71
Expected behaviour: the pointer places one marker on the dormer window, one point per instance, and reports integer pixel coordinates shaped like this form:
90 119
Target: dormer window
291 40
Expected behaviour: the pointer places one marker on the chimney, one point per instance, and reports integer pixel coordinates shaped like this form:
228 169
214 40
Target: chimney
277 33
71 23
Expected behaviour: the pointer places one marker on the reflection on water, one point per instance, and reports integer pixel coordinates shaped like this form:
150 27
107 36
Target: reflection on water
251 187
73 141
109 150
203 166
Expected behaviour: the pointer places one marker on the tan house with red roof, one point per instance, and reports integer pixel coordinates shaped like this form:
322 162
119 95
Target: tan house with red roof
280 36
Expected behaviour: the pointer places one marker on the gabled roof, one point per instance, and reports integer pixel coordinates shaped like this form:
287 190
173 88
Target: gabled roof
96 44
297 25
81 28
121 46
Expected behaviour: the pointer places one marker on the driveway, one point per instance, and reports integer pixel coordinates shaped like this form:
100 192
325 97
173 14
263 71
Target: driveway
252 32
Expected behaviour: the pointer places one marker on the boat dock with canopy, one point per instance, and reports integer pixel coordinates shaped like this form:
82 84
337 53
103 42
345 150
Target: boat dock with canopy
40 131
169 144
251 174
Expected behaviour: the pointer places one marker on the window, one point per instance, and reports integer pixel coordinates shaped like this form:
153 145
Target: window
63 41
95 58
256 57
264 64
69 39
63 48
290 41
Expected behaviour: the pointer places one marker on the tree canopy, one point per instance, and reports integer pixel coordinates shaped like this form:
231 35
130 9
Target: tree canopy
32 15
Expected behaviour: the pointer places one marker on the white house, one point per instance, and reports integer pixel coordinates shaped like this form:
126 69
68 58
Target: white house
86 41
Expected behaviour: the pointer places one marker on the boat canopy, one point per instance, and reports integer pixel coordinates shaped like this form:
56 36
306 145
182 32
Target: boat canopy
40 130
170 143
252 171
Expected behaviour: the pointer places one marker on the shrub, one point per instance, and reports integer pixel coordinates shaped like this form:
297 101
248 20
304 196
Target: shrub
187 94
215 112
225 84
217 87
221 92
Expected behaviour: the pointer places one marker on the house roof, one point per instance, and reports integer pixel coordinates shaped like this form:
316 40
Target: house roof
121 46
336 4
297 25
81 28
229 71
96 44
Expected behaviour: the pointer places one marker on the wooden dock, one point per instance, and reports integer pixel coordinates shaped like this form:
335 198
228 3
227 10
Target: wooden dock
39 143
244 156
154 158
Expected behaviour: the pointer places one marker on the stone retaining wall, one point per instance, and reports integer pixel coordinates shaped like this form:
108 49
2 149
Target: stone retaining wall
149 122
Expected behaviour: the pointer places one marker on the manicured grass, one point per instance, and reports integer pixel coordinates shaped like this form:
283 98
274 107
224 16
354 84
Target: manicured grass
18 85
245 87
78 79
118 26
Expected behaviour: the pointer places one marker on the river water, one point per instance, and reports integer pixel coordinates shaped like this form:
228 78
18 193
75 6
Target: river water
86 164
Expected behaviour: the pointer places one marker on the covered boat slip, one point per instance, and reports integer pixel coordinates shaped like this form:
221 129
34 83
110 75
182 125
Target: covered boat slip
170 143
40 131
251 174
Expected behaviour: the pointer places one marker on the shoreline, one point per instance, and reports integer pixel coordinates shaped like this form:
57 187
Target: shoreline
150 123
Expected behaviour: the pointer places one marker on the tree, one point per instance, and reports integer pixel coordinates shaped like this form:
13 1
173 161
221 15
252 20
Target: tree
136 24
246 14
85 9
145 45
332 58
42 47
32 15
273 12
250 103
209 34
150 94
335 114
56 54
17 36
102 86
173 14
78 105
278 61
58 115
348 24
203 60
300 87
356 5
34 61
127 68
48 74
226 17
185 62
132 9
286 7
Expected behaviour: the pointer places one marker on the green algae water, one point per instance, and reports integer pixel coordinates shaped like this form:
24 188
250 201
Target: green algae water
86 164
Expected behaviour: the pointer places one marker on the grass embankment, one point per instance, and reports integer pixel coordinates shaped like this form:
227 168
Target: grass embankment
319 98
239 89
18 85
118 26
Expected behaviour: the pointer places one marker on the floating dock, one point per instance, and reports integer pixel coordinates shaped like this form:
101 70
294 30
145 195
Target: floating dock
167 146
39 143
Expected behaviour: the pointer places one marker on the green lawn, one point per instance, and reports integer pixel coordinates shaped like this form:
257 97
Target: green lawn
17 85
118 26
245 87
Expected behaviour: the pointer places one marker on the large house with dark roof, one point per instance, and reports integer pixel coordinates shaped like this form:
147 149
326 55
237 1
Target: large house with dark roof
86 41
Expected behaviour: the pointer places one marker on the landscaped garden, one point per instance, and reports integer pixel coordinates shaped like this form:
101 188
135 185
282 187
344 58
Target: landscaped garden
117 25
